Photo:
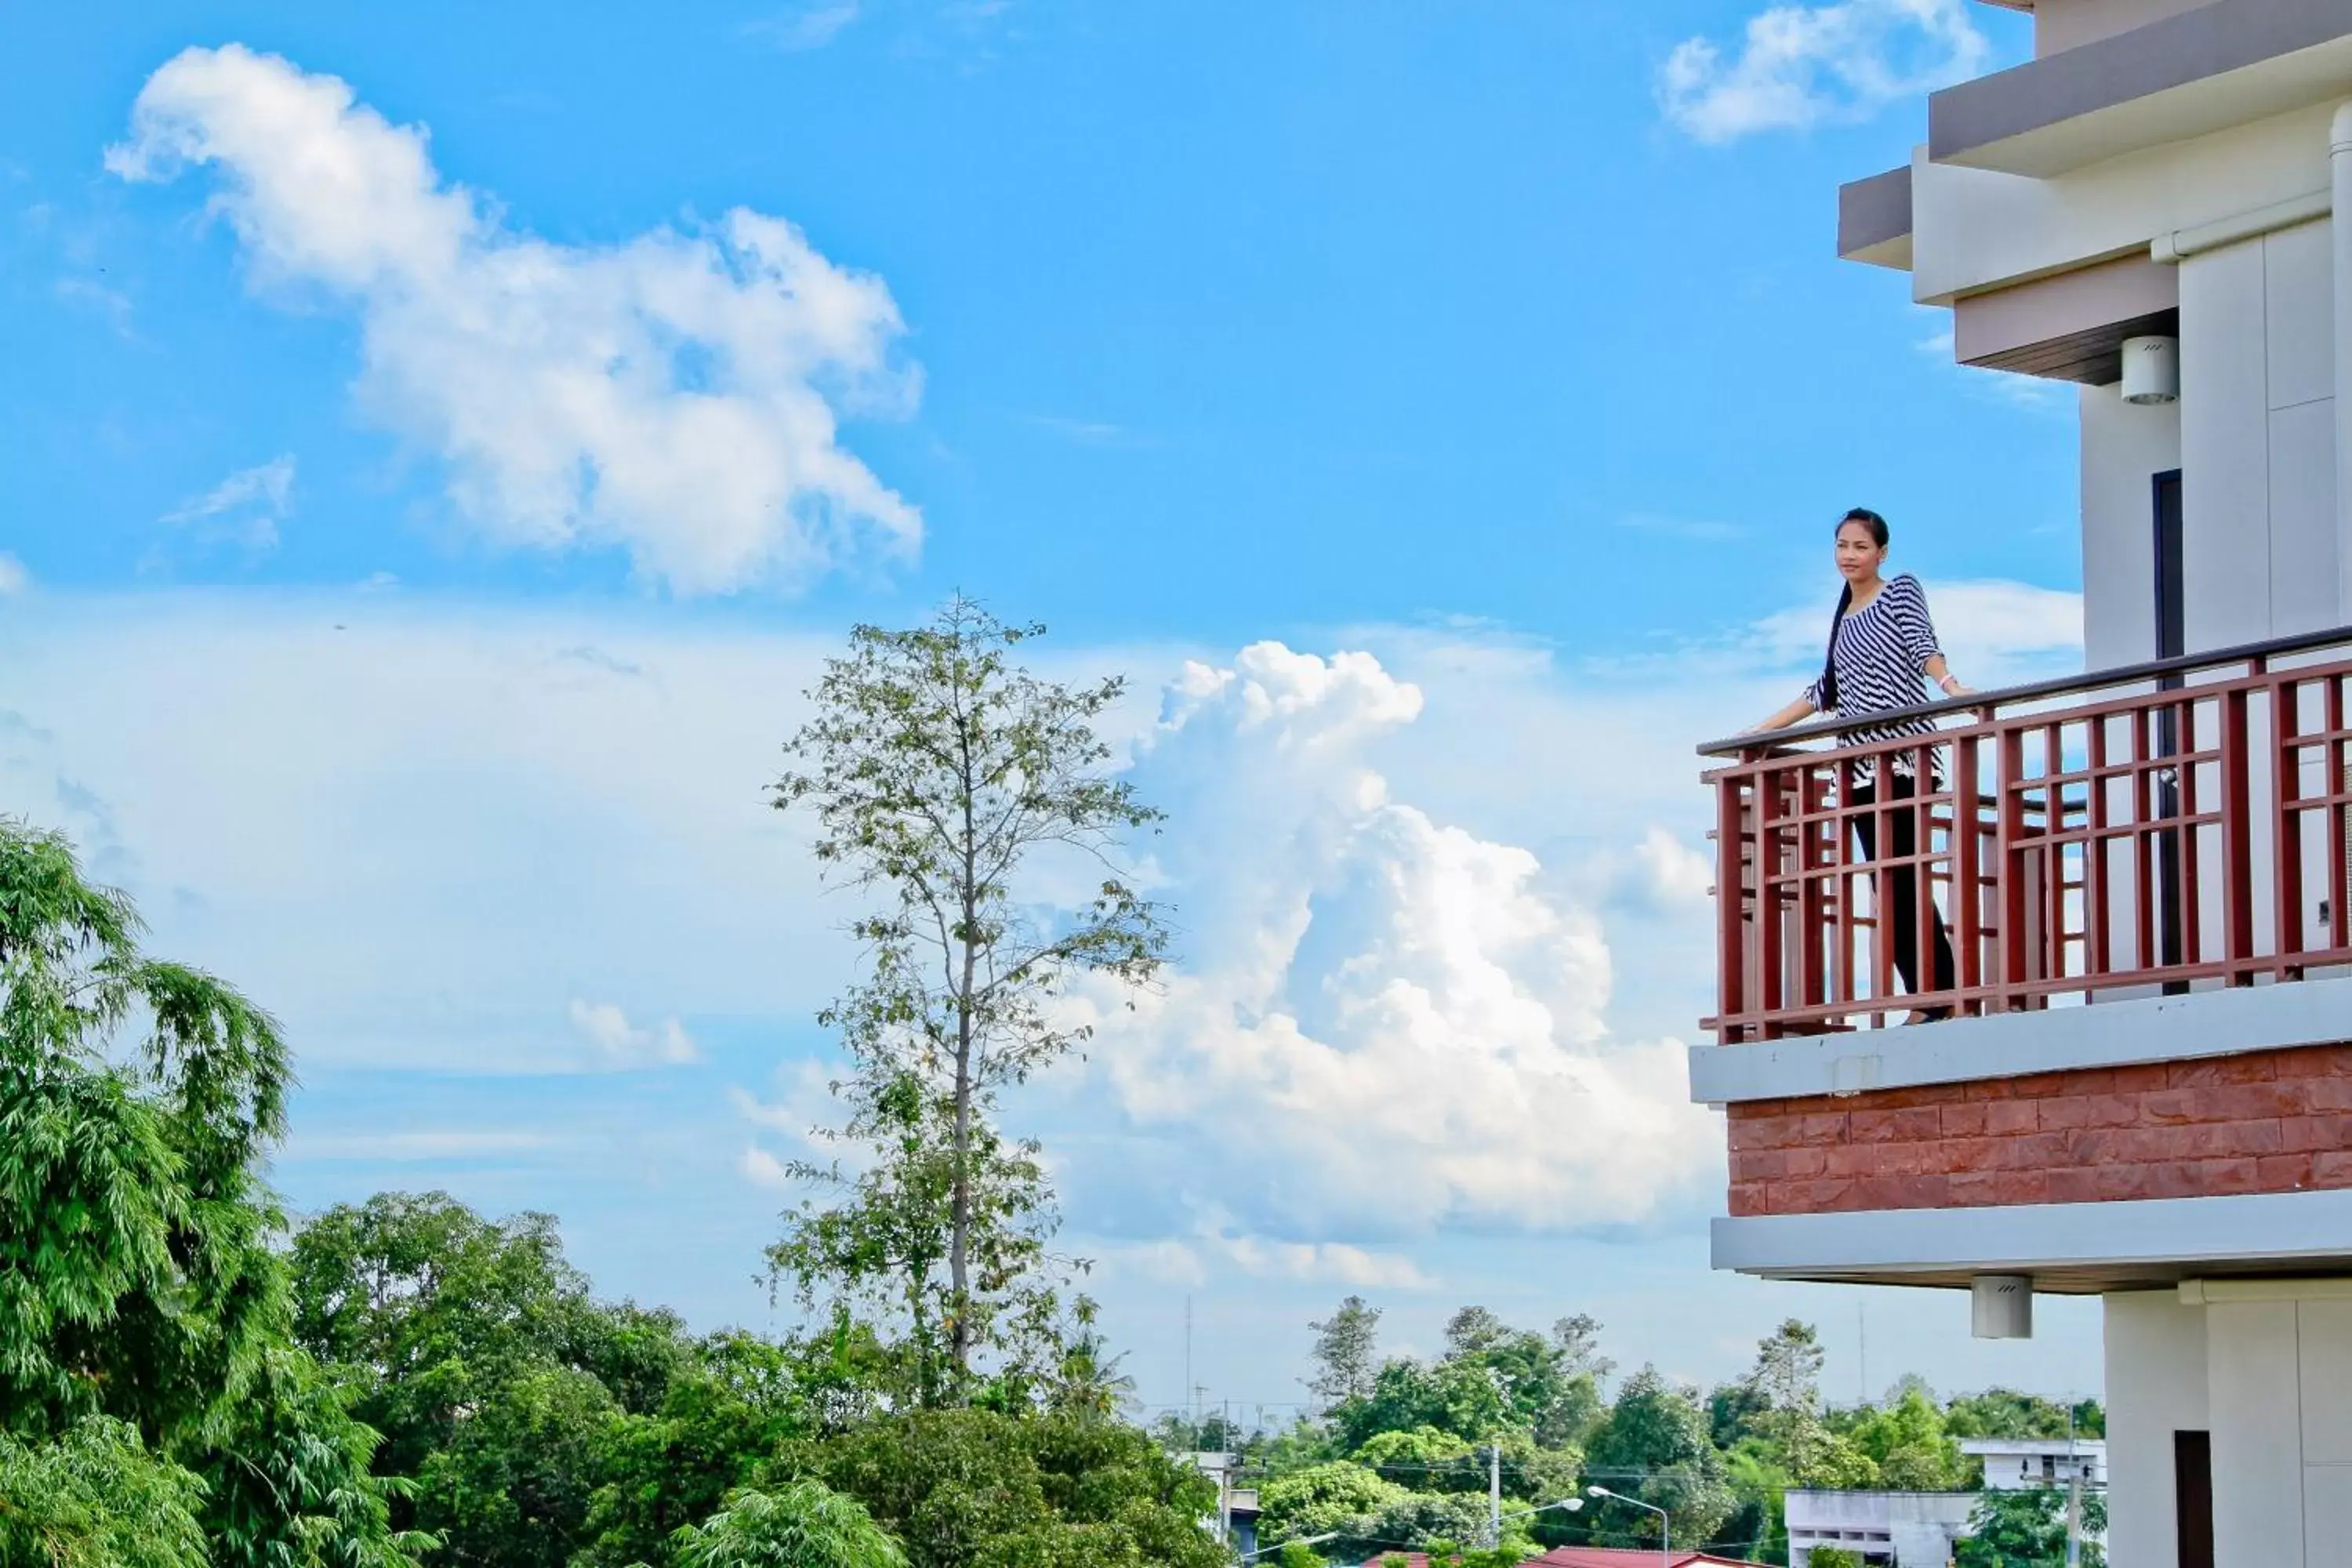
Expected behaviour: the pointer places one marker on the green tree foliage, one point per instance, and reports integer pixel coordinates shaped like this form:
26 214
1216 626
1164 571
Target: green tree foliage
1322 1498
1906 1441
1416 1521
1659 1432
2005 1413
293 1484
805 1525
138 1098
1735 1412
988 1490
1834 1557
728 1406
497 1378
94 1497
2028 1529
1551 1386
1346 1354
935 767
1454 1396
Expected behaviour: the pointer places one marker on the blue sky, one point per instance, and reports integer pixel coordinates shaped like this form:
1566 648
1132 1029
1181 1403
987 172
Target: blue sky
443 441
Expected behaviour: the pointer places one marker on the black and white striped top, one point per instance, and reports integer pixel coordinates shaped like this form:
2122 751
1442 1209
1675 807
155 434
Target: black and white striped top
1880 653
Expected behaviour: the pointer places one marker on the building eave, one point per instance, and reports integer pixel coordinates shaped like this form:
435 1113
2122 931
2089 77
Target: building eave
2066 1248
2180 77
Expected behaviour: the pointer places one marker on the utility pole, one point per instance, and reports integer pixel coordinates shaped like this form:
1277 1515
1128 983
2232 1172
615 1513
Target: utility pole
1189 1413
1494 1496
1862 1340
2074 1496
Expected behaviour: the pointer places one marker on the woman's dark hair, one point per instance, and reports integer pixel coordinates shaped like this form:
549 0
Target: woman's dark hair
1878 535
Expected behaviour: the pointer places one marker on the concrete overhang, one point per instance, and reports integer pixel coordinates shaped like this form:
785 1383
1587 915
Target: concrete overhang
2198 1026
2065 1248
2181 77
1874 219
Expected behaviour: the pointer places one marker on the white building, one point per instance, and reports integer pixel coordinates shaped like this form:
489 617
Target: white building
2022 1463
2145 1095
1899 1529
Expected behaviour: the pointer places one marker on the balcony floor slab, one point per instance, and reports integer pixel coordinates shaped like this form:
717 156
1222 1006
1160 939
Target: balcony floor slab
2311 1012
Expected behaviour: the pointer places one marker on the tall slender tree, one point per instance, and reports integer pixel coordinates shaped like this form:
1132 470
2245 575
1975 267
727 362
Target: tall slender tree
937 769
1346 1353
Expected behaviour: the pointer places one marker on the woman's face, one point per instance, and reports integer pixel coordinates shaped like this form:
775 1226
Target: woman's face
1858 554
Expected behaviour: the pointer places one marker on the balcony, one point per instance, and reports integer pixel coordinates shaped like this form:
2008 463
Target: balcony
2169 828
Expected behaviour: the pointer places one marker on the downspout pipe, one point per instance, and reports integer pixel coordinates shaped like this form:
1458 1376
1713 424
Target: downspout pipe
2339 171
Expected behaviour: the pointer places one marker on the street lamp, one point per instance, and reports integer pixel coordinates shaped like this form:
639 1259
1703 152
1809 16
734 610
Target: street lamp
1666 1521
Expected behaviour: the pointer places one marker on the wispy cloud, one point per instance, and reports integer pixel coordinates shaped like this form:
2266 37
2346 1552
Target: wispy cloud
1708 529
1799 66
805 27
14 578
1084 432
1199 1261
622 1044
244 510
675 396
412 1147
111 303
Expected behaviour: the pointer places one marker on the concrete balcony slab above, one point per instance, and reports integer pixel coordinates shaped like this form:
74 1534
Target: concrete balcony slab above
2066 1248
1874 220
2183 76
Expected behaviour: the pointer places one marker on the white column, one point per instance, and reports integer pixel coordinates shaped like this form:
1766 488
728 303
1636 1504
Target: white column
2254 1386
2339 164
2155 1386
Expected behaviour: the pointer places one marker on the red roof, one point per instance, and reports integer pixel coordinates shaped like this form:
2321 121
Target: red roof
1597 1557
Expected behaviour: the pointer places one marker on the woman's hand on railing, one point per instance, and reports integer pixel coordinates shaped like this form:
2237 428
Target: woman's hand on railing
1800 709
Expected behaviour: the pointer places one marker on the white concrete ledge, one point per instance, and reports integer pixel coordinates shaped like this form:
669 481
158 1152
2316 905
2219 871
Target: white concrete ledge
2184 1235
2010 1044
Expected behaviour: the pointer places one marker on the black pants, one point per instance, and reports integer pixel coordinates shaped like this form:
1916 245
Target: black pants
1898 886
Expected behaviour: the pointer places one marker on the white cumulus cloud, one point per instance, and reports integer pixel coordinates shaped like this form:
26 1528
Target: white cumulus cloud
1799 66
622 1044
675 396
1673 873
1395 1001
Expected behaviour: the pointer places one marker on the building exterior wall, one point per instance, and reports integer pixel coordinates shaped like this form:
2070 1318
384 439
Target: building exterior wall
2156 1385
1906 1530
2266 1369
2266 1121
2257 415
2035 1464
2254 1392
2123 449
1975 229
2064 24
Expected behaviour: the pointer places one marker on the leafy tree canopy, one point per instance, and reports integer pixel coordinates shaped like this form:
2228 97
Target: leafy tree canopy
143 1311
2028 1529
804 1526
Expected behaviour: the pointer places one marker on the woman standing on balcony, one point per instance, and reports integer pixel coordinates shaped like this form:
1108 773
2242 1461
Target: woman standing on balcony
1881 642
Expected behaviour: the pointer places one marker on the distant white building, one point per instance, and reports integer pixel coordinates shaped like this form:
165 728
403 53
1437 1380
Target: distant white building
1236 1519
2021 1464
1897 1529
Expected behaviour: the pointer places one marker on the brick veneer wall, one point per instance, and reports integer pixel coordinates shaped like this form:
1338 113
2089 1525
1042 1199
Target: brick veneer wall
2270 1122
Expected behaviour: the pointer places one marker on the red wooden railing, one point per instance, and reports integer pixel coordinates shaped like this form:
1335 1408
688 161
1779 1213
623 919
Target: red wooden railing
2169 827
